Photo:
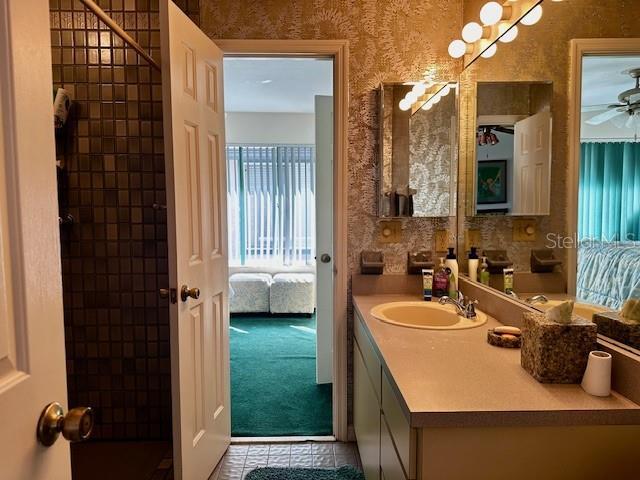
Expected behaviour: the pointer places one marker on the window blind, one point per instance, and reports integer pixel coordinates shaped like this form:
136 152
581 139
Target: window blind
271 204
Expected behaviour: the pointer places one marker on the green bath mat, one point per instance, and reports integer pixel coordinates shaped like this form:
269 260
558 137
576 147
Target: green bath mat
272 473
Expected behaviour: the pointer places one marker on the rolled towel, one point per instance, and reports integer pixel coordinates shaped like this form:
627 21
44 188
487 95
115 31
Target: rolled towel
561 313
631 310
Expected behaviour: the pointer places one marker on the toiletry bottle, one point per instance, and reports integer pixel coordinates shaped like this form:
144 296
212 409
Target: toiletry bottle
427 283
452 264
441 280
473 265
484 272
508 280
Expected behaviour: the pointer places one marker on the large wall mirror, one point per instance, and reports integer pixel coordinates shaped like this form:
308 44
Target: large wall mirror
513 148
567 217
418 152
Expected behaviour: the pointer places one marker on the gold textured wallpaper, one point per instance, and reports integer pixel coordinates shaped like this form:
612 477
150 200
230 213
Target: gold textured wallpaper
389 40
540 52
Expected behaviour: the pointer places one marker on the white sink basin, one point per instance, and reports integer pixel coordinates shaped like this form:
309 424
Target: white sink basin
426 315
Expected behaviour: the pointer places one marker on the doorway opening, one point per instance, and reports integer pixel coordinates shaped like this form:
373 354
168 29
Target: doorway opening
279 148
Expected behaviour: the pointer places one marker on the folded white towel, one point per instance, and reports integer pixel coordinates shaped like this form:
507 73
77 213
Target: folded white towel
631 310
561 313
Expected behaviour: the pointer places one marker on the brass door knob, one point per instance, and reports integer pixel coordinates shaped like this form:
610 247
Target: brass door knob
75 426
186 292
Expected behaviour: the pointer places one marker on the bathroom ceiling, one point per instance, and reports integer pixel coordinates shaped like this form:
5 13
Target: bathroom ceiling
603 80
275 84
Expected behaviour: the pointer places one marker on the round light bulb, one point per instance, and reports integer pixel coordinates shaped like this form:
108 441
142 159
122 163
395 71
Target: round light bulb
457 48
533 16
491 13
445 90
507 34
427 105
490 52
404 104
411 97
472 32
436 98
419 89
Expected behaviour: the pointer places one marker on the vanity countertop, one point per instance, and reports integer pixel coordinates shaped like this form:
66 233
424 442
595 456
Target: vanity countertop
454 378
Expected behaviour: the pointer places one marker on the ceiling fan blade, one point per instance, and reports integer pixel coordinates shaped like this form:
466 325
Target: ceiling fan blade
630 121
604 117
594 108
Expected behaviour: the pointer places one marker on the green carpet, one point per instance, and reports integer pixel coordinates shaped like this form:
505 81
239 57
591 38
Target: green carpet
273 371
272 473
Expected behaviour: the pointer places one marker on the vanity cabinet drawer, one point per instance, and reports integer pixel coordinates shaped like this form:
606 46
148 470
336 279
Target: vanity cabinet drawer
366 417
369 355
404 437
390 464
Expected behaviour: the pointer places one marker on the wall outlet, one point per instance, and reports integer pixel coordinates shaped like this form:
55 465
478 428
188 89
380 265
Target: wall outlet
390 231
472 238
524 230
442 240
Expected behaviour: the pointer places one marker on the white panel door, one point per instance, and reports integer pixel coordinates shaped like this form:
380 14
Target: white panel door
196 191
532 165
32 361
324 238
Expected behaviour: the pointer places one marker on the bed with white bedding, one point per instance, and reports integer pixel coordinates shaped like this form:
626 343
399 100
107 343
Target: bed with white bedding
608 272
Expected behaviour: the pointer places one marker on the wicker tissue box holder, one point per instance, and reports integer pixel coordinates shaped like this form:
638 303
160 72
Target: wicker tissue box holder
556 353
614 326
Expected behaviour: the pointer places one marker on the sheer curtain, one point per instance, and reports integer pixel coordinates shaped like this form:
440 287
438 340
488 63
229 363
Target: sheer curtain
271 204
609 195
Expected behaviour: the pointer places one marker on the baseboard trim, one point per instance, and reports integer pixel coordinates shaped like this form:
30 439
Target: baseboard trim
289 439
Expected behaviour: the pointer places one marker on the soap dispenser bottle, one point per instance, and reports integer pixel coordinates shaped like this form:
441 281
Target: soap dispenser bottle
452 264
473 264
441 280
484 272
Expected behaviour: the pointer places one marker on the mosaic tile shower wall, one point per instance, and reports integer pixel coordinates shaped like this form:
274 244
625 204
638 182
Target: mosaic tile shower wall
114 254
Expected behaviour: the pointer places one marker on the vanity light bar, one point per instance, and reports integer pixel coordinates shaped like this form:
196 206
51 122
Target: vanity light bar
419 93
493 15
439 95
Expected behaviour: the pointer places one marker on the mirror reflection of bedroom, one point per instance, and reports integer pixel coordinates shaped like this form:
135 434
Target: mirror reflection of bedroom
609 182
279 127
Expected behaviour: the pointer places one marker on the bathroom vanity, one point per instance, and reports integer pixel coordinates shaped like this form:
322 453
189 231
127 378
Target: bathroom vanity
444 404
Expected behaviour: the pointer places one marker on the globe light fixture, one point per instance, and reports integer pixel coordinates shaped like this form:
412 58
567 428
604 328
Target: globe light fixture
472 32
532 17
491 13
489 52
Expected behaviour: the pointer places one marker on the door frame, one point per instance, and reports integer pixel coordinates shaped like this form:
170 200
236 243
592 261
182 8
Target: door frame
339 51
578 48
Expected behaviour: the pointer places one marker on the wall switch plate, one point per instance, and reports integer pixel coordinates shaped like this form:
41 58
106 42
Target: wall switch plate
472 238
390 231
442 240
524 230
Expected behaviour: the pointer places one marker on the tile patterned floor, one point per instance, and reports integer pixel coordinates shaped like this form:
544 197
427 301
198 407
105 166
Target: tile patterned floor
240 459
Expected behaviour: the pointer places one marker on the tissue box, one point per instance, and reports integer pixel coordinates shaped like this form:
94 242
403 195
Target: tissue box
555 353
616 327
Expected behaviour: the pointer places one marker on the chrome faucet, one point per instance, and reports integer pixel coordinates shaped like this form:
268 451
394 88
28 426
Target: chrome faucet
464 306
537 299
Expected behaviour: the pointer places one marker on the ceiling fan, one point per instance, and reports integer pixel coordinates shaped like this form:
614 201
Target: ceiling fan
629 104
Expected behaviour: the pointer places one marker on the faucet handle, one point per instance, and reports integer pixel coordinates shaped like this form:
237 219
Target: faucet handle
470 309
